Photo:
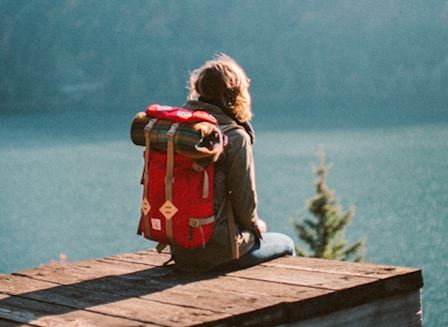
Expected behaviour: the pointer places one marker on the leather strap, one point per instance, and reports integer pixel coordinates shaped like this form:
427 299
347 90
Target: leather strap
206 180
196 222
232 230
205 185
160 247
169 179
145 211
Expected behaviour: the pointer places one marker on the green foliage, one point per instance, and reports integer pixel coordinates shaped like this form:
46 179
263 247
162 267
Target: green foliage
324 232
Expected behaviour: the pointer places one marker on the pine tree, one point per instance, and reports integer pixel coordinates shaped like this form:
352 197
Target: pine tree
324 233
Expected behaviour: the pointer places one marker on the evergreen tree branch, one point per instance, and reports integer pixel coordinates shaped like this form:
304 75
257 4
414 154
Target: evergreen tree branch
324 232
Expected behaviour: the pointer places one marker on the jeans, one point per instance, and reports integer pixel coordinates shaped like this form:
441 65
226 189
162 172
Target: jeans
273 245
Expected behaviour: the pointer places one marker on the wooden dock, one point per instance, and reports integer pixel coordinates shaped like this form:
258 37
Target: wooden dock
134 290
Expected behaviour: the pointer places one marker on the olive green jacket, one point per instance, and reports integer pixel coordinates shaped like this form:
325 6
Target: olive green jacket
235 201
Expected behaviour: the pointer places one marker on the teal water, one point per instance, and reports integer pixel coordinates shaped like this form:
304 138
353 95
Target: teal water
66 190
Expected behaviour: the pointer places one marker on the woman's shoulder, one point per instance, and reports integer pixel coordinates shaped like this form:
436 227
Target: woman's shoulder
243 131
236 133
238 142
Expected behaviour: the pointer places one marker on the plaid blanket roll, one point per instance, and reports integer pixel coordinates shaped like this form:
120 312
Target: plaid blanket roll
202 141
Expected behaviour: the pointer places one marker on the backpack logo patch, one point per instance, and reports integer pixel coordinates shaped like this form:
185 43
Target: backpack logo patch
168 209
145 206
156 224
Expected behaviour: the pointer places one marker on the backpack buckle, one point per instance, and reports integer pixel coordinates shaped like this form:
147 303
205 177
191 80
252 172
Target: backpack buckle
149 126
172 129
194 222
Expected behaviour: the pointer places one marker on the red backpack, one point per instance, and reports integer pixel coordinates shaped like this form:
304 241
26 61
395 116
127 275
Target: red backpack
180 148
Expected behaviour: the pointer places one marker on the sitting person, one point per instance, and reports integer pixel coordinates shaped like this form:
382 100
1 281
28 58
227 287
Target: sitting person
240 238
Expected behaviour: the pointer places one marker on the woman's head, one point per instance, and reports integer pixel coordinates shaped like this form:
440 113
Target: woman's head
222 81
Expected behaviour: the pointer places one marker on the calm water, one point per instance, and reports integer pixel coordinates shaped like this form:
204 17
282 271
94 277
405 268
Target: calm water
78 194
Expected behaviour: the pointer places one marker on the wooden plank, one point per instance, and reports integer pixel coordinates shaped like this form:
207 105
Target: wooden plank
395 311
148 257
14 285
80 271
135 287
399 279
117 305
347 290
230 295
339 267
160 278
9 323
322 280
37 313
158 287
260 288
134 284
236 297
105 276
350 290
225 299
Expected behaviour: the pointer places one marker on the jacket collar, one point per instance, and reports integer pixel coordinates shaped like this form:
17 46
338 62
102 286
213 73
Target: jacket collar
212 109
223 119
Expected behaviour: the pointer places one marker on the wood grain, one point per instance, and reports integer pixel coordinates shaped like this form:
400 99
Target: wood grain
134 289
38 313
148 257
339 267
118 305
9 323
316 279
80 271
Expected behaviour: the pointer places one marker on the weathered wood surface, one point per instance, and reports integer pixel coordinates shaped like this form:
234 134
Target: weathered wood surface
134 290
399 310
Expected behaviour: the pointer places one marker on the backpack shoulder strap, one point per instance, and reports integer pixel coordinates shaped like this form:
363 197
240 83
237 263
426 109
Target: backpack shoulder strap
228 127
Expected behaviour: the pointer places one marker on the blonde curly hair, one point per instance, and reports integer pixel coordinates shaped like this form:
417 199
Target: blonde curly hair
223 82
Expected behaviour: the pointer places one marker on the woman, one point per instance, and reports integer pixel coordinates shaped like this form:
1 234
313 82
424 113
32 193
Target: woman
240 237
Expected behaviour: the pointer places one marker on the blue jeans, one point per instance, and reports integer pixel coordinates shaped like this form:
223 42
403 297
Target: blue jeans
273 245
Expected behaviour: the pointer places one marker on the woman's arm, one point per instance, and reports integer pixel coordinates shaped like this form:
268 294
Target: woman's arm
241 182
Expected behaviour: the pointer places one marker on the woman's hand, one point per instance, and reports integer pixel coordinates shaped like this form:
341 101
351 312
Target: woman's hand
262 227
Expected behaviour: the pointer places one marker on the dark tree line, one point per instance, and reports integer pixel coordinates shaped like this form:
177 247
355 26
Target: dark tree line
124 54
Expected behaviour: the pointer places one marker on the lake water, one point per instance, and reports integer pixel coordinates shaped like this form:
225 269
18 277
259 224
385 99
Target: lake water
68 190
